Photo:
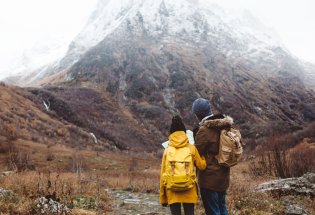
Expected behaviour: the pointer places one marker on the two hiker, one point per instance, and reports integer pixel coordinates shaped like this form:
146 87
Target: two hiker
213 179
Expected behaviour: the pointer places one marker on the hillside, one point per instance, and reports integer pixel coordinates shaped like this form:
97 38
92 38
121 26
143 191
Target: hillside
23 117
97 113
85 131
135 64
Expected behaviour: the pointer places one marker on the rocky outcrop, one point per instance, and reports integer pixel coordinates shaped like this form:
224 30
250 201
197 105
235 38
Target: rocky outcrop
4 192
49 206
291 209
304 185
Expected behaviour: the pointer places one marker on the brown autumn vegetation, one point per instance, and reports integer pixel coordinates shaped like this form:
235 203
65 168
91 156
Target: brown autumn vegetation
284 156
97 113
80 179
52 157
104 171
285 163
21 118
76 178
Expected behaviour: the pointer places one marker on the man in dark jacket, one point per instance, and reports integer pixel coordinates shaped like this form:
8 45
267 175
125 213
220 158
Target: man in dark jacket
214 181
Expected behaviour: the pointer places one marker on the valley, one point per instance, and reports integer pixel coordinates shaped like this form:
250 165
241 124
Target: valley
83 133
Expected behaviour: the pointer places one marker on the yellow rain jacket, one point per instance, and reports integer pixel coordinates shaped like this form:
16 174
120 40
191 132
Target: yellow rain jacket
179 139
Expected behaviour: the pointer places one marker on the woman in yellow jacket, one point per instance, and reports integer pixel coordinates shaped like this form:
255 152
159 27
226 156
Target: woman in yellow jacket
170 192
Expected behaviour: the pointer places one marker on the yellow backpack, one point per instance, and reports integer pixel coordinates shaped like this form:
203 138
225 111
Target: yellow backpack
179 171
230 149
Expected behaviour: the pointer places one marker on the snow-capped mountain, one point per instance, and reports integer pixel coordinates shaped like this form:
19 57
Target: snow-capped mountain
173 21
178 18
135 48
193 22
149 59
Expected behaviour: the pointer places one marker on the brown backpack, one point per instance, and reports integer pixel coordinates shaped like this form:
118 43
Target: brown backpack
230 149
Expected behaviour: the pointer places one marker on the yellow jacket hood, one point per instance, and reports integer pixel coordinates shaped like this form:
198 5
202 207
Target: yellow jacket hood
178 139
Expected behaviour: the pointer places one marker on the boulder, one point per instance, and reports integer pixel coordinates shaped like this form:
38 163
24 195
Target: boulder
4 192
49 206
291 186
294 210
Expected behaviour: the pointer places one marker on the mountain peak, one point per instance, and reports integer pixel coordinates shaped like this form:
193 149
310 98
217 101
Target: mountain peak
191 18
198 24
149 59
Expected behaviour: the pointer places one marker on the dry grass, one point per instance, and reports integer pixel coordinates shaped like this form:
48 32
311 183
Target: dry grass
244 200
135 173
85 192
77 178
100 171
146 182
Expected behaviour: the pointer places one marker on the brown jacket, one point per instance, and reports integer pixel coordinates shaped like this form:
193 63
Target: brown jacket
215 177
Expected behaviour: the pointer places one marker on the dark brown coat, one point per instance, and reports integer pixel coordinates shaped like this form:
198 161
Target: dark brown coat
215 177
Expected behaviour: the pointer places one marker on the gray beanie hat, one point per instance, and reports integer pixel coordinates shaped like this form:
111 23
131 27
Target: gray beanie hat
201 108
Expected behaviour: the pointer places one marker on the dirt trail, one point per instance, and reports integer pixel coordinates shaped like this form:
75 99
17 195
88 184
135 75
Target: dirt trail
129 203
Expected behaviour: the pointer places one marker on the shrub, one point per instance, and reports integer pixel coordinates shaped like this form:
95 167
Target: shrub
19 161
50 191
50 156
262 166
301 161
78 164
10 132
284 163
6 147
243 201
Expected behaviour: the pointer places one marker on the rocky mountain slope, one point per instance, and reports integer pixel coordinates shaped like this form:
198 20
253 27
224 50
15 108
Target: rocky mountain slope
74 117
23 116
233 33
142 61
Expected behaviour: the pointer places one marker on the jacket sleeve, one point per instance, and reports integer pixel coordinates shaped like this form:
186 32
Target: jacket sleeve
202 141
163 197
200 161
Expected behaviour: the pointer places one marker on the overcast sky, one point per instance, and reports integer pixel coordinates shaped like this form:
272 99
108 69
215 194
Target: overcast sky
293 20
26 22
23 22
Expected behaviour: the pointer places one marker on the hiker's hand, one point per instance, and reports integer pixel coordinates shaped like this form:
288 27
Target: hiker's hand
164 204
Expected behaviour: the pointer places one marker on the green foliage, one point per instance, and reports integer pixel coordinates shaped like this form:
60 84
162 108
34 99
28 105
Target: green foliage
8 202
83 202
8 197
